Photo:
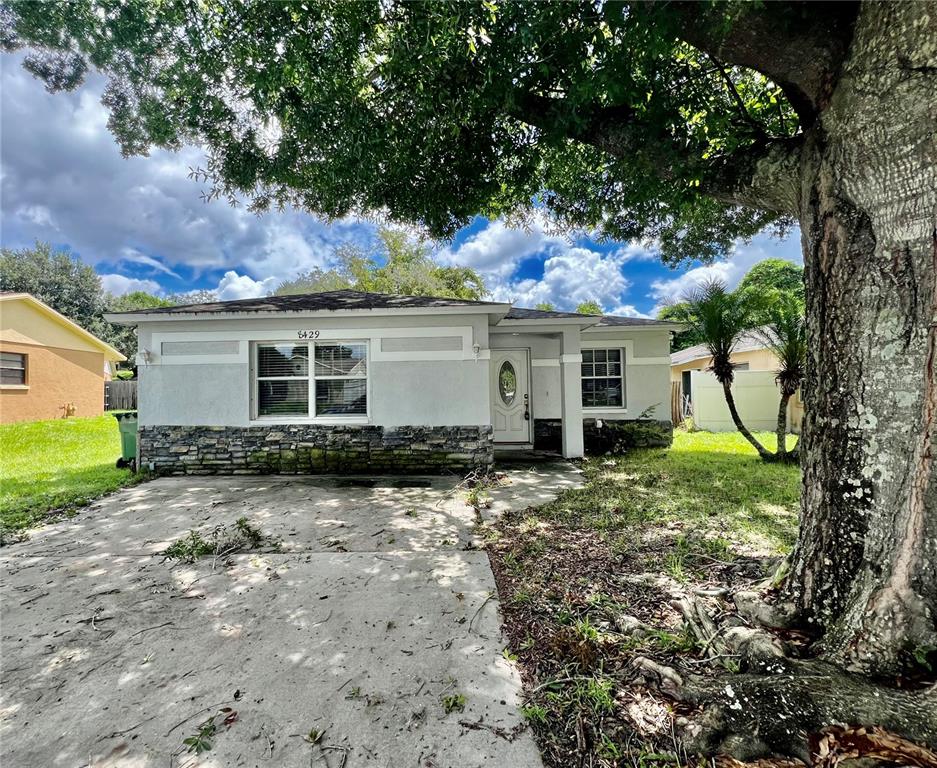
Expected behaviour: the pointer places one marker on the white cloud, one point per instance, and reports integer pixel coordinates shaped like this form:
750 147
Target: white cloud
627 310
37 214
570 278
132 254
119 285
235 286
730 271
497 250
64 180
639 250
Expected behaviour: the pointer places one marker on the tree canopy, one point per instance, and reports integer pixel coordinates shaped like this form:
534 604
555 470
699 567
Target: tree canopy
405 266
589 308
57 278
610 115
124 337
60 279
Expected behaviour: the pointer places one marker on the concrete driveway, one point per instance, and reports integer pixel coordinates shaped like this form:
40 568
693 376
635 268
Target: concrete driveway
376 609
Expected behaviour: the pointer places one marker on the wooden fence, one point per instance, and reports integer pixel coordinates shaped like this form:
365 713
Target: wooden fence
676 402
120 395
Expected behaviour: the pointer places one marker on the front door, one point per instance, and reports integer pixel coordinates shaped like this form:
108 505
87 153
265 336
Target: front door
510 395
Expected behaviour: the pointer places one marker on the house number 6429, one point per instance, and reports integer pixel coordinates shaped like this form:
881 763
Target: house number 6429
308 334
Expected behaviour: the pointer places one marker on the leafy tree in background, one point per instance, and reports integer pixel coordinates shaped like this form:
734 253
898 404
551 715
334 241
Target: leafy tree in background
679 312
693 123
545 306
406 267
124 337
589 308
771 282
775 275
197 296
57 278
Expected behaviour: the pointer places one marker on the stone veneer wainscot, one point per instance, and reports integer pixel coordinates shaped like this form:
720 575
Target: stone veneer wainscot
314 448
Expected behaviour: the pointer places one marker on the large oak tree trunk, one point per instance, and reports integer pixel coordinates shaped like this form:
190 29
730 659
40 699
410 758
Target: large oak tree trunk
865 566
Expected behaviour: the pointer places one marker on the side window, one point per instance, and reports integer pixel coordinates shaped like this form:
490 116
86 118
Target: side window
603 378
12 368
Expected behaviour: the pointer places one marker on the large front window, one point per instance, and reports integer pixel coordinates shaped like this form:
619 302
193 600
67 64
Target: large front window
603 378
336 384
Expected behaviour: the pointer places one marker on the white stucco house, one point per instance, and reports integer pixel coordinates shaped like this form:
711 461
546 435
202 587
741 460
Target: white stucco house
352 381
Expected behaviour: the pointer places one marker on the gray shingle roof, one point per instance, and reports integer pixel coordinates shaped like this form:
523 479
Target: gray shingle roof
520 313
349 299
310 302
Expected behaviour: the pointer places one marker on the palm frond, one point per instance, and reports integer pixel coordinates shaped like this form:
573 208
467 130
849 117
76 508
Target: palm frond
720 317
785 335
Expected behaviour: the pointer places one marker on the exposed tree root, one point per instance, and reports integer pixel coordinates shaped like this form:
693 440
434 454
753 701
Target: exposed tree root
751 715
777 705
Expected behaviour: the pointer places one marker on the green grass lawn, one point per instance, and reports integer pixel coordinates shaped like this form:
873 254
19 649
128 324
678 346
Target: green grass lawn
57 465
711 484
704 514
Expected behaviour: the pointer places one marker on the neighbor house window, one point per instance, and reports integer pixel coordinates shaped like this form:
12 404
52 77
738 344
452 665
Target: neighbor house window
603 378
335 384
12 368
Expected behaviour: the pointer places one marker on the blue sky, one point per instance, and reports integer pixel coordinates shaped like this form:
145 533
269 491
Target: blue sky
142 224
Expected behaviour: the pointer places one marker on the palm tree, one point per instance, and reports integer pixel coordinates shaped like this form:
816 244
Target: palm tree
785 334
720 317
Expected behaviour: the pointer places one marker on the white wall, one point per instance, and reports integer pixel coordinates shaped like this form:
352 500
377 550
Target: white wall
647 370
756 397
423 369
422 377
545 394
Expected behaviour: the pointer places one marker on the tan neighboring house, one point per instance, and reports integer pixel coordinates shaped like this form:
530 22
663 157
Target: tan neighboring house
754 393
49 366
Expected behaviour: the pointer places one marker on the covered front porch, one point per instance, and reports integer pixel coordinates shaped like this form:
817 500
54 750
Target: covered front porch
536 378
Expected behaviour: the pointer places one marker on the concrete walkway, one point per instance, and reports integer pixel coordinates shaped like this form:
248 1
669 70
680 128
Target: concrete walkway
374 611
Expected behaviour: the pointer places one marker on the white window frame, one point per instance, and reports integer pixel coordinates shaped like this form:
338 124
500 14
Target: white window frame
624 391
24 369
310 378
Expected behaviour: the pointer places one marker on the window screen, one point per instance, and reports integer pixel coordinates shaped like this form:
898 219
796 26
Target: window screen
12 368
603 378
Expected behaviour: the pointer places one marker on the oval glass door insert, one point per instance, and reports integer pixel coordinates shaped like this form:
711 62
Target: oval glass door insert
507 382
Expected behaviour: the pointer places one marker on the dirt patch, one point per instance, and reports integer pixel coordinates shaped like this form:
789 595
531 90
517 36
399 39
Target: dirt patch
571 597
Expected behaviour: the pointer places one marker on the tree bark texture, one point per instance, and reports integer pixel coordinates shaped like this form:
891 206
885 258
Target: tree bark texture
781 431
865 565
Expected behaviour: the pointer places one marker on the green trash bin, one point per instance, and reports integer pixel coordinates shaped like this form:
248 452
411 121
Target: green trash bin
127 424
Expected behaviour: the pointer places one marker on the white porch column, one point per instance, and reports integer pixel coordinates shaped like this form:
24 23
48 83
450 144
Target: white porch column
571 386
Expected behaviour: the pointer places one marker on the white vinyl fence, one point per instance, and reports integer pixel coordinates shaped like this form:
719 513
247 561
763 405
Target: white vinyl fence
756 397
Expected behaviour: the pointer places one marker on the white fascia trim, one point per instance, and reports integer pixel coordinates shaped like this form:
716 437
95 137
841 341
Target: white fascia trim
632 328
122 319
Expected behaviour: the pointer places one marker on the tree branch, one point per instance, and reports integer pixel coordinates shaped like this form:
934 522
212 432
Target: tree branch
800 46
762 176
